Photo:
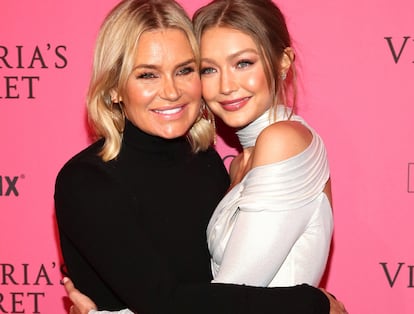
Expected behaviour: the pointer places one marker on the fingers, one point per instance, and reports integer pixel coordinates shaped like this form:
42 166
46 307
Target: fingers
70 290
336 306
342 307
69 286
74 310
72 293
82 304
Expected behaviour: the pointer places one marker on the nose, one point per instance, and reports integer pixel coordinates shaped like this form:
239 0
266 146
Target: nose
170 90
227 82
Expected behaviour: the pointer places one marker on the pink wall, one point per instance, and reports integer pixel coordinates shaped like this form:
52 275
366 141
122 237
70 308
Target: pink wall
356 91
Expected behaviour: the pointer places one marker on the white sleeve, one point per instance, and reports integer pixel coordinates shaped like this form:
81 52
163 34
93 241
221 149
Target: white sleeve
273 213
259 244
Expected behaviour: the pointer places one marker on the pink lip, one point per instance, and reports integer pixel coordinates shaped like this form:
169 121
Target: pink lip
234 104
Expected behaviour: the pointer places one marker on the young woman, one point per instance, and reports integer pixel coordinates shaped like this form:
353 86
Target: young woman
133 208
274 227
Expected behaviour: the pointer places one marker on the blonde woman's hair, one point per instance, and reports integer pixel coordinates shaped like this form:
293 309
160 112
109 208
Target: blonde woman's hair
263 21
114 57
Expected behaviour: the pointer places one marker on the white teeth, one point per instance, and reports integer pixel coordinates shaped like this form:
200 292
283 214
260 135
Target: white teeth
169 111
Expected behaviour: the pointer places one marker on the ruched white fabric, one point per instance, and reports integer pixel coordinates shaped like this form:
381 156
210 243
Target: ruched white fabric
274 228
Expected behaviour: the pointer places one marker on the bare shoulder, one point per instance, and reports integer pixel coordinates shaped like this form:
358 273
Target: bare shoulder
280 141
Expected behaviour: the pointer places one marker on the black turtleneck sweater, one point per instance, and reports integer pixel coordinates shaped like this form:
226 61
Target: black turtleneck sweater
132 232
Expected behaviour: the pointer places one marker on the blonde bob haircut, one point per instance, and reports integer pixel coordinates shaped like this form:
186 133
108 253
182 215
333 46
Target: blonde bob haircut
113 62
263 21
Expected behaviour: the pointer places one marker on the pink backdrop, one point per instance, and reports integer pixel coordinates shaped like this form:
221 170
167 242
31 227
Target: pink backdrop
356 64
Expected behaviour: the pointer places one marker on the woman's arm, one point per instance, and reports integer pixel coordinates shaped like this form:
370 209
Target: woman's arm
83 305
124 258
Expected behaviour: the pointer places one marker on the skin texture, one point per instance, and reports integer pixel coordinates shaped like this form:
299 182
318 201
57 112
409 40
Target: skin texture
162 95
234 83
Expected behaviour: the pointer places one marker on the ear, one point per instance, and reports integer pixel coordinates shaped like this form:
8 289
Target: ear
115 97
286 60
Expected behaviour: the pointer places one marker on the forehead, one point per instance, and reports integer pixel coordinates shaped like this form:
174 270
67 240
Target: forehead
163 46
228 39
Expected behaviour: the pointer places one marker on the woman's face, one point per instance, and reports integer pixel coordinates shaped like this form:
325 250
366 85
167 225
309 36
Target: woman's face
233 79
163 92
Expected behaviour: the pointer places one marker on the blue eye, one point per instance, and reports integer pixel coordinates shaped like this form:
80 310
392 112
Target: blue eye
207 70
146 75
243 64
186 70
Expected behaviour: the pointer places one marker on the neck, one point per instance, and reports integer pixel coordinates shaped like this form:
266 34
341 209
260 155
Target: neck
248 134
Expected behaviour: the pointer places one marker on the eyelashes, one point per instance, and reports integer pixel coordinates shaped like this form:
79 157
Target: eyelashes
244 64
148 75
207 70
186 70
241 64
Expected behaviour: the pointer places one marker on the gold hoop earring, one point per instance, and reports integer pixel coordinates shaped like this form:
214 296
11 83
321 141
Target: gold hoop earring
212 121
206 114
209 116
118 115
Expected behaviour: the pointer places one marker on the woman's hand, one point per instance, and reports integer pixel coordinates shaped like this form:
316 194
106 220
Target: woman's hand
81 303
336 307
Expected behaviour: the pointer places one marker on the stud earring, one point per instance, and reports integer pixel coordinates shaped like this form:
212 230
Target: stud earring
283 76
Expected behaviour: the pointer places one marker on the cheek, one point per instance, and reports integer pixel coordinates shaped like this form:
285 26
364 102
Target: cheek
145 89
190 87
257 84
194 88
139 94
208 89
256 81
146 93
252 82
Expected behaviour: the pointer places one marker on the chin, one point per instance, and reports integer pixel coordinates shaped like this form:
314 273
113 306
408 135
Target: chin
172 129
173 133
172 136
233 123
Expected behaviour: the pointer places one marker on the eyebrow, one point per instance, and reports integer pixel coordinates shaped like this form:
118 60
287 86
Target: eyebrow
155 67
233 55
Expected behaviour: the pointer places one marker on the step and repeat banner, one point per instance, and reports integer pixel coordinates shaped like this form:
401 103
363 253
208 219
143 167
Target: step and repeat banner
356 65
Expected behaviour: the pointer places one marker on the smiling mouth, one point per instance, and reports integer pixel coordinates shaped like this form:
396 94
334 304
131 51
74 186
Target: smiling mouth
170 111
234 104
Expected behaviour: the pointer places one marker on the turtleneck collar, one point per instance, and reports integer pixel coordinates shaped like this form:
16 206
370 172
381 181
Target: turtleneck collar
138 139
248 134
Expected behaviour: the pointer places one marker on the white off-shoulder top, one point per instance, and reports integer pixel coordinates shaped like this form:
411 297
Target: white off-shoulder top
274 228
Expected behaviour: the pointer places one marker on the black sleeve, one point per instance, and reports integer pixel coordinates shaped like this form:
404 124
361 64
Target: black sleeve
117 249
